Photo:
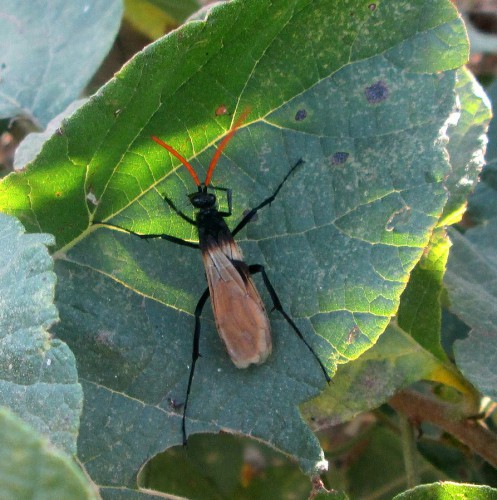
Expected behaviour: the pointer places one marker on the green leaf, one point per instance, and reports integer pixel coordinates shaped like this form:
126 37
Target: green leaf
394 362
50 52
420 307
482 204
32 144
332 495
225 466
31 468
365 104
377 471
467 141
449 491
471 284
475 357
452 460
128 494
492 145
178 10
471 275
153 18
420 311
38 378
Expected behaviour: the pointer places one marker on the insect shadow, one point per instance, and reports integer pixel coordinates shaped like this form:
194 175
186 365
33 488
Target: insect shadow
240 316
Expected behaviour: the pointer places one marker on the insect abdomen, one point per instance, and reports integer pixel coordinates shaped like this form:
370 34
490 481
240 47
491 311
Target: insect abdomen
239 312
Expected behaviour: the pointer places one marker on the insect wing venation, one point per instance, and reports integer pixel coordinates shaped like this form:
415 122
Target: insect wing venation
239 312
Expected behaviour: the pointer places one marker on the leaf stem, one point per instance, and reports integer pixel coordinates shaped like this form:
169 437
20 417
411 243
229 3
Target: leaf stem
420 408
409 451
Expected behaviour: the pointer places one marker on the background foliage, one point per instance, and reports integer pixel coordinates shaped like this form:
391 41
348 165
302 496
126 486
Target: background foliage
391 130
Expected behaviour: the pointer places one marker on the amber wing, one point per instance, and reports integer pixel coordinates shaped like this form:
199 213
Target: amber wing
239 312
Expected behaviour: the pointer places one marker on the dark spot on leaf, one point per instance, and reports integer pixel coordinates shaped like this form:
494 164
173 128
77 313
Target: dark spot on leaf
377 92
221 110
253 218
429 177
300 115
372 6
58 194
339 158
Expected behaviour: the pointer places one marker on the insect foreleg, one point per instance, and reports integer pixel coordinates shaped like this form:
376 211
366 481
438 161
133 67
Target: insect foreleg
179 212
229 197
258 268
195 356
267 201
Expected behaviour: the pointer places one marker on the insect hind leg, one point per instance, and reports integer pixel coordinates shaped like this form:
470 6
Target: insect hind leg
258 268
195 356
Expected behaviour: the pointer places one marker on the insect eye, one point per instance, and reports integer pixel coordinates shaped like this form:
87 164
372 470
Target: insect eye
203 200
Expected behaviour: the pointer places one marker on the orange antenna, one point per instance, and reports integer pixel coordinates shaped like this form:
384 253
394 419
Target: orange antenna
180 158
223 143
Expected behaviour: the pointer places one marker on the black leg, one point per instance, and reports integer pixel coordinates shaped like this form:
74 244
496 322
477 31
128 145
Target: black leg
229 196
267 201
167 237
258 268
178 211
195 356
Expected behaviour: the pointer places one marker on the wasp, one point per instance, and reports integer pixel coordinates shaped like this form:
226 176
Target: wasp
239 312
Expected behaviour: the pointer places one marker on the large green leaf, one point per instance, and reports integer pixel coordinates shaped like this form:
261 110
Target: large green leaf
30 147
50 50
31 468
482 204
471 276
420 306
471 284
395 362
467 141
492 145
38 378
364 102
420 311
